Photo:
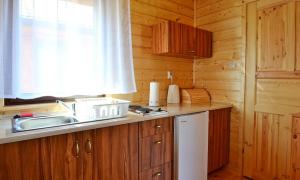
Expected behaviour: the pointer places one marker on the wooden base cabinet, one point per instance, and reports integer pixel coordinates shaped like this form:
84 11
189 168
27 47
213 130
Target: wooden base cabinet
156 149
218 139
21 160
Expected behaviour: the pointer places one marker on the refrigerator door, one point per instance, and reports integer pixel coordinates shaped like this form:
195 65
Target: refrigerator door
191 146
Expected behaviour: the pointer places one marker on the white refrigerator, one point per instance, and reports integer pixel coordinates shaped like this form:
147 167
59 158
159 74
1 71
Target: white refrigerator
191 146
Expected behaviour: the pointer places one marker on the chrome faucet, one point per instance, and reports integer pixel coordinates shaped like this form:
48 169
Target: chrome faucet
72 109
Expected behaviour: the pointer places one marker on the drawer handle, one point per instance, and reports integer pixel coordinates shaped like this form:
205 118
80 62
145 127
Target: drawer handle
158 174
295 136
158 126
158 142
88 146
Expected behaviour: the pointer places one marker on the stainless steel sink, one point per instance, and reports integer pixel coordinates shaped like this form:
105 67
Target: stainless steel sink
25 124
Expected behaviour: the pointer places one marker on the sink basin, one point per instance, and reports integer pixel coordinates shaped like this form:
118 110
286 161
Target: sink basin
25 124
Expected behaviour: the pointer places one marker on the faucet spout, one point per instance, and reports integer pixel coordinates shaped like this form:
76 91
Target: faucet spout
72 109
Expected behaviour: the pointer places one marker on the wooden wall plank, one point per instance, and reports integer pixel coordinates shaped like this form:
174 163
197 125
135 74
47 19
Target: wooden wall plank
223 74
250 88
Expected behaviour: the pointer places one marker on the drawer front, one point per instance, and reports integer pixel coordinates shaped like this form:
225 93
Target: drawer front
163 172
155 127
156 150
296 125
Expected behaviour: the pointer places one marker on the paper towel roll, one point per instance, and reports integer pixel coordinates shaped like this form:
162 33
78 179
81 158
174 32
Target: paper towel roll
154 94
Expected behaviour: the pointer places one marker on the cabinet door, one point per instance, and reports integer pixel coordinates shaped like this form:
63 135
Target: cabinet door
175 38
218 139
21 161
203 43
116 153
62 155
158 173
189 40
88 154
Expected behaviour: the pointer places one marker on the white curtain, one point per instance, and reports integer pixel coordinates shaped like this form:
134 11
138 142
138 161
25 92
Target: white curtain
65 47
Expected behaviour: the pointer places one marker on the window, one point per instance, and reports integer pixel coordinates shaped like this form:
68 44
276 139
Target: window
63 48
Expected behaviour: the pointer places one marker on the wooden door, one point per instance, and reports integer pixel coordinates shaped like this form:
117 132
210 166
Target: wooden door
272 86
21 161
218 139
189 40
62 156
116 153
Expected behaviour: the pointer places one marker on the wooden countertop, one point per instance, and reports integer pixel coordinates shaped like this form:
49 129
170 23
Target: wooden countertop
6 135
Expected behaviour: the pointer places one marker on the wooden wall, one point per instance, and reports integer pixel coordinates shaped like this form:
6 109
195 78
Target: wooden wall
223 74
272 87
149 67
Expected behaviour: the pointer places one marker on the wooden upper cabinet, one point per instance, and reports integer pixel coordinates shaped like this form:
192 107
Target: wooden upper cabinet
276 38
180 40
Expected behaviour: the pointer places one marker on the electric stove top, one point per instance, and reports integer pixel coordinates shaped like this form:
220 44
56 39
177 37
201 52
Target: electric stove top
146 110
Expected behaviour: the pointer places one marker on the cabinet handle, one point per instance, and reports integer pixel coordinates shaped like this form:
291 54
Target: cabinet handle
158 174
158 142
88 146
158 126
77 149
295 136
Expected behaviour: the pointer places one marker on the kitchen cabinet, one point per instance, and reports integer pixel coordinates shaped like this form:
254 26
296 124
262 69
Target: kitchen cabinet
116 153
180 40
218 138
21 160
136 151
62 157
156 149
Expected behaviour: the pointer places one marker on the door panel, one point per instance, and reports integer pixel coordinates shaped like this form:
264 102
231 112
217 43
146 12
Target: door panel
175 35
116 153
88 154
273 40
188 40
21 161
272 146
62 154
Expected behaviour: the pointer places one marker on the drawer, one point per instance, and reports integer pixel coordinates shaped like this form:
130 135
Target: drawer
156 150
155 127
163 172
296 125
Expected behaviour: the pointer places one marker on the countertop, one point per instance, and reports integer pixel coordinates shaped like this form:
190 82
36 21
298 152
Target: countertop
6 135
